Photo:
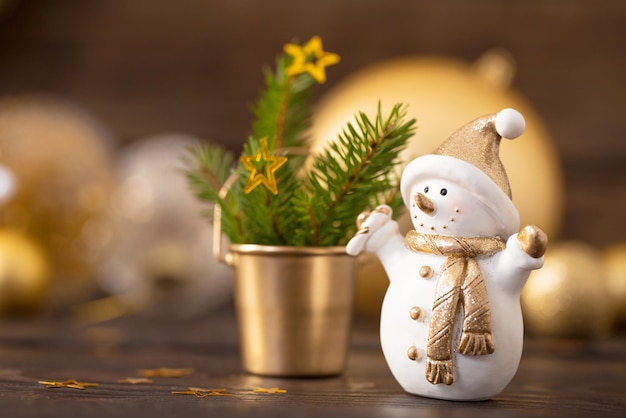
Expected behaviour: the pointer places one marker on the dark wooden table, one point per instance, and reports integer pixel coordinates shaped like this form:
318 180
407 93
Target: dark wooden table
555 378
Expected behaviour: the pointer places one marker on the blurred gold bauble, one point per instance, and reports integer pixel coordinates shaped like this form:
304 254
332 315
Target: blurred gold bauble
614 259
568 297
62 165
444 94
23 273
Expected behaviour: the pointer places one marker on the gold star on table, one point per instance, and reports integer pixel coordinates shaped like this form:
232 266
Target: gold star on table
268 164
203 393
136 380
71 383
310 58
270 390
165 372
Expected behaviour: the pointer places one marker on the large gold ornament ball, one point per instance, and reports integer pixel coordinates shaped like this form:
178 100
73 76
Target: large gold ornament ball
159 259
24 273
614 259
61 161
444 94
568 297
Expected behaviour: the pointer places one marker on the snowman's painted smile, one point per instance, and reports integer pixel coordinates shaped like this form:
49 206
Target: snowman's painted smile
427 213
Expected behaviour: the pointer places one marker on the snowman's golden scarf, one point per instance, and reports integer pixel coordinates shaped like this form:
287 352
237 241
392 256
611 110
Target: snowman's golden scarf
460 282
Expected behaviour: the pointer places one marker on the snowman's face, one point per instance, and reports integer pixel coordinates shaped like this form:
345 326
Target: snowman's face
446 208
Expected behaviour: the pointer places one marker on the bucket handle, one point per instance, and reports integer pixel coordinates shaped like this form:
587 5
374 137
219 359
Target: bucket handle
217 223
217 209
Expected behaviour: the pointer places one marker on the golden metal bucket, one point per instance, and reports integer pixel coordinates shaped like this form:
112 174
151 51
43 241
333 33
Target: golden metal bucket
294 305
294 308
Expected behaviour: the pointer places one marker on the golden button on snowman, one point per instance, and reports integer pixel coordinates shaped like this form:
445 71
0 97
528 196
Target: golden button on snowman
451 322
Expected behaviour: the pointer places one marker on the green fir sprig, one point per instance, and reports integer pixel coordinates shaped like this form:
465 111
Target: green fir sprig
354 171
318 197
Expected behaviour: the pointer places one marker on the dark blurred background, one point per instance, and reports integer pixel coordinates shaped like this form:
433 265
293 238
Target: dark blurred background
143 67
146 66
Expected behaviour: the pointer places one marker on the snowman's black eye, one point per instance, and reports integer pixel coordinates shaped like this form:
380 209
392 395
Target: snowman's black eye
426 189
444 192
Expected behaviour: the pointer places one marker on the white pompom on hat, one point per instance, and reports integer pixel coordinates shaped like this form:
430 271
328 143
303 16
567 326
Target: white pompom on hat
470 157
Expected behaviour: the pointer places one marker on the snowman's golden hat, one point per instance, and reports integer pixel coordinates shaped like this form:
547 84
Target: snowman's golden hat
478 143
470 157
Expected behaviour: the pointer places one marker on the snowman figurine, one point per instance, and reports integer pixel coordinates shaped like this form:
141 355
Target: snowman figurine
451 322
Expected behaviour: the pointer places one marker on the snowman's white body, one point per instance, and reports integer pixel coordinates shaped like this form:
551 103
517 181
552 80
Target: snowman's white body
456 196
475 377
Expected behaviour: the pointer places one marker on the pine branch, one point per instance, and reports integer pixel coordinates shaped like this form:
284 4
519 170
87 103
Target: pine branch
320 208
282 110
267 218
351 171
208 167
282 116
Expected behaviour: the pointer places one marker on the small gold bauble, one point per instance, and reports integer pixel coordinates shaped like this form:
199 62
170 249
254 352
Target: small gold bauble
614 260
23 273
568 297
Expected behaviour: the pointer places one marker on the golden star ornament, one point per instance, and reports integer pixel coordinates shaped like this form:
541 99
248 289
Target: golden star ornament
203 393
271 391
71 383
310 58
270 164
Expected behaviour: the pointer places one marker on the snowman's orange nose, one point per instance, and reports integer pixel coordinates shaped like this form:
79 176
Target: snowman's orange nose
424 203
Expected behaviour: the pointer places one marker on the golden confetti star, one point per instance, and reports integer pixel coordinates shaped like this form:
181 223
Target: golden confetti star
136 380
165 372
270 164
203 393
71 383
310 58
270 390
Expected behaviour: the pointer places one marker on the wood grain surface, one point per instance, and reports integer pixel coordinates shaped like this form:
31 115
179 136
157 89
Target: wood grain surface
555 377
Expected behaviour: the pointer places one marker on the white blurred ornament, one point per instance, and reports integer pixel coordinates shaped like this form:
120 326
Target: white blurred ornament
159 259
7 184
569 297
443 93
60 163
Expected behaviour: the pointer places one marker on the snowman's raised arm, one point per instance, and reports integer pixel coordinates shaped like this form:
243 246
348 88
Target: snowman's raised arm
524 252
375 229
